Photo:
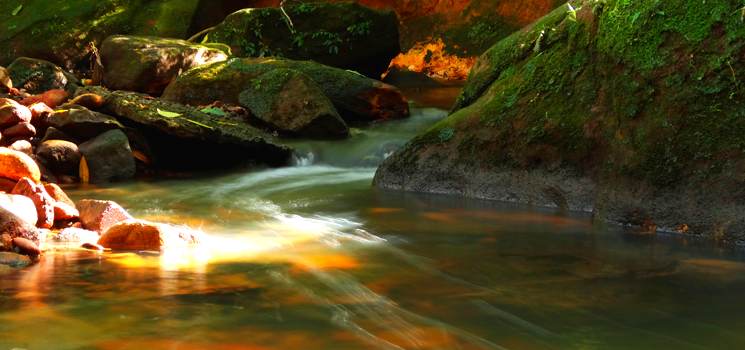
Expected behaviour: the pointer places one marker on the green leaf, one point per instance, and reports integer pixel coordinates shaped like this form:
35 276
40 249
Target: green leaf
18 9
214 111
82 82
168 114
228 124
200 124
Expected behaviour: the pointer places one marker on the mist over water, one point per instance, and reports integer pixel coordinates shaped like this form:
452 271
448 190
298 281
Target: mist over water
313 257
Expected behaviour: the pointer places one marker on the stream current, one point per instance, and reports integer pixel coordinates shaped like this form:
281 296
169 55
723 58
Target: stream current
312 257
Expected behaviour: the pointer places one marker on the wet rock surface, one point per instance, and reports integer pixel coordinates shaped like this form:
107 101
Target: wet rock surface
140 234
96 215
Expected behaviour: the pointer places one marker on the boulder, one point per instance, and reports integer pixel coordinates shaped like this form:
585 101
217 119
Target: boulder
345 35
23 147
354 96
58 195
46 174
193 139
21 206
293 104
64 211
82 123
12 114
15 226
14 260
5 82
38 76
15 165
52 98
109 157
26 247
20 130
600 109
60 156
72 234
408 80
98 215
6 242
42 201
140 234
53 133
148 64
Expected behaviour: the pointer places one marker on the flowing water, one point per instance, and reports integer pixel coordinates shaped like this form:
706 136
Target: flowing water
312 257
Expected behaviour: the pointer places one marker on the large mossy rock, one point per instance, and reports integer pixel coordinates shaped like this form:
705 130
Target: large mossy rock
290 102
39 76
59 31
148 64
344 35
192 140
354 96
631 110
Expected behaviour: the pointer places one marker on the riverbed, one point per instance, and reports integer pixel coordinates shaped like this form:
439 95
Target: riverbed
312 257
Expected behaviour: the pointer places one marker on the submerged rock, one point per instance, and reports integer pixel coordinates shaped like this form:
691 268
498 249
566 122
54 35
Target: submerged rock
148 64
354 96
38 76
14 260
616 108
140 234
109 157
190 139
96 215
345 35
292 103
26 247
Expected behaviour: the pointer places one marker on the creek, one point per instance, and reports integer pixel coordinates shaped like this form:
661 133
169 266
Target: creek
313 257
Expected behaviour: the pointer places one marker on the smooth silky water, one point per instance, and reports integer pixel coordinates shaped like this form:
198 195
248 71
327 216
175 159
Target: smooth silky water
312 257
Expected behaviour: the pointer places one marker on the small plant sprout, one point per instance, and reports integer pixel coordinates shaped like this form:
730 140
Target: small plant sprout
573 12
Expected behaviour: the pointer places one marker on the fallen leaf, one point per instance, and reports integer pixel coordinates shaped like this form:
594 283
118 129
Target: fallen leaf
139 155
168 114
83 171
224 123
200 124
214 111
18 9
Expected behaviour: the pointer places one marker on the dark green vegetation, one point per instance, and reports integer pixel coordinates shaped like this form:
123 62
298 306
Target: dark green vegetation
631 109
345 35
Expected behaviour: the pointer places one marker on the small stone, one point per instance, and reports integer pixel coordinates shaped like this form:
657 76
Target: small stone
15 165
11 114
20 130
14 260
53 133
40 114
58 195
6 242
21 206
26 247
64 211
60 156
140 234
43 202
23 147
99 216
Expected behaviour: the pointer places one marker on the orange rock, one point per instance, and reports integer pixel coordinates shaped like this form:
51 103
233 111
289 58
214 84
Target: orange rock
15 165
26 247
140 234
5 101
21 206
58 195
43 202
64 211
52 98
99 216
90 101
7 185
40 113
11 114
6 242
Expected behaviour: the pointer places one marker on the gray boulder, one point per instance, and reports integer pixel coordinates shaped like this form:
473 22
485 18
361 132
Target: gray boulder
109 157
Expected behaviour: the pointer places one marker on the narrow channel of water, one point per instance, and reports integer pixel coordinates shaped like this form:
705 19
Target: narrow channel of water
312 257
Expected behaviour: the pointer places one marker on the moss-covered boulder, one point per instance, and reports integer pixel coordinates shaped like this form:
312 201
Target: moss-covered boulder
39 76
354 96
631 110
345 35
148 64
291 103
183 137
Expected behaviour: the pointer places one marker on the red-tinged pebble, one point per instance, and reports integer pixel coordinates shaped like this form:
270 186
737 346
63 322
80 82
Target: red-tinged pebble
26 247
52 99
92 246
